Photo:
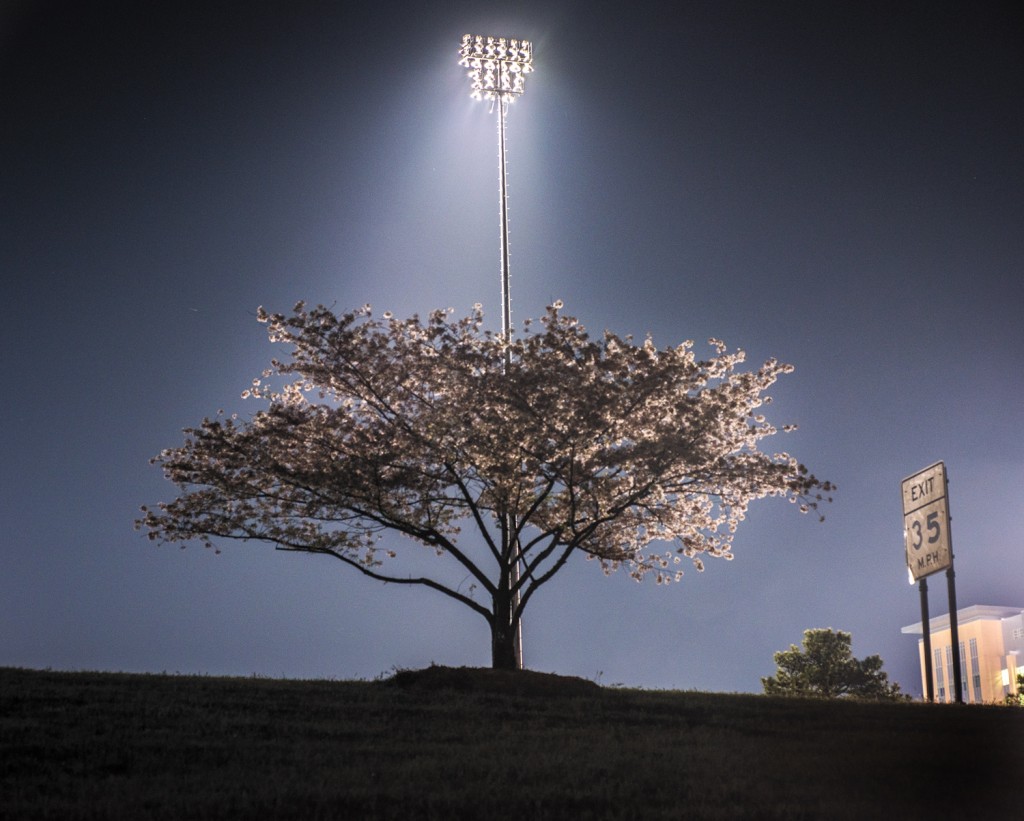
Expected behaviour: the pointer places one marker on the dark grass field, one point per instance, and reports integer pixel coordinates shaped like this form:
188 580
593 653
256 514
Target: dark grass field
446 744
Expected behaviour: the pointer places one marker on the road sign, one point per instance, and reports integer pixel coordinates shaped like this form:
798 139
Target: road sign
926 522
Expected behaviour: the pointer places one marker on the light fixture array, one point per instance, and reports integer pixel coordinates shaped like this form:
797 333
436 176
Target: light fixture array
497 66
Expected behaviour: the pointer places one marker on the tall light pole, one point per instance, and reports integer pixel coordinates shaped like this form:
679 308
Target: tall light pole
497 72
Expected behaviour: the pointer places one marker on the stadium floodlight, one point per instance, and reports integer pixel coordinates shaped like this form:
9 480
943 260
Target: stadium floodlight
497 66
497 72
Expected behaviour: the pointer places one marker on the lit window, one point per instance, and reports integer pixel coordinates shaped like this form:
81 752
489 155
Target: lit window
963 673
949 672
975 671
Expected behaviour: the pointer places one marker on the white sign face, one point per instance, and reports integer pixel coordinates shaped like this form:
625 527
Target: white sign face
926 522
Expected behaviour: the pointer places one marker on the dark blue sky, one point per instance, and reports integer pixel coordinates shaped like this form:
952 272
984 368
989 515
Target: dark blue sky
838 185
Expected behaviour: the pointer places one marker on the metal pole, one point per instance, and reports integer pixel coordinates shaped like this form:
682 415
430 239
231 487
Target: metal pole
497 72
929 687
954 627
506 330
954 635
506 301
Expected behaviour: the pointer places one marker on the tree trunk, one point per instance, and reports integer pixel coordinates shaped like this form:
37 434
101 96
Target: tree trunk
503 632
503 647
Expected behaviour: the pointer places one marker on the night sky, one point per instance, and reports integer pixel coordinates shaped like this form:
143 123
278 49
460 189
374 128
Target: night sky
840 185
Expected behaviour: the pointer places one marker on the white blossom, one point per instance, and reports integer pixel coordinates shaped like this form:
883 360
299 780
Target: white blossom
626 454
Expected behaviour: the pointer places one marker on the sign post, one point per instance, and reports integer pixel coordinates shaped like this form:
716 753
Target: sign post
929 549
929 679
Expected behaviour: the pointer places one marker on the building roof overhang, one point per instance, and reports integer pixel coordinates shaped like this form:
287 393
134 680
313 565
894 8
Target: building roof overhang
976 612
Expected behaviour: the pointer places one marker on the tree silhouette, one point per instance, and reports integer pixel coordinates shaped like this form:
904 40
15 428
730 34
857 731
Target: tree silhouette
485 451
826 668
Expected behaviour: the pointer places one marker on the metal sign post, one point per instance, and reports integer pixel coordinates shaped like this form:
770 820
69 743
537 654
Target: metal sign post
929 682
929 549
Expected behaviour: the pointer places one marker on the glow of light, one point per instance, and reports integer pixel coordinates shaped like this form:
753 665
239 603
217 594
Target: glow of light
497 66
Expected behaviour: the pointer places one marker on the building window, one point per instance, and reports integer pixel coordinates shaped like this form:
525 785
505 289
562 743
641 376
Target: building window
975 671
949 672
963 674
940 681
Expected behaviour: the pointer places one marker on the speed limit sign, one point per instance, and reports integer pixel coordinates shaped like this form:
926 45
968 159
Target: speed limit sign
926 522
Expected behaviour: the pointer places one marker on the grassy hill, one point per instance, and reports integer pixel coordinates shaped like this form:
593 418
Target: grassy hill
446 743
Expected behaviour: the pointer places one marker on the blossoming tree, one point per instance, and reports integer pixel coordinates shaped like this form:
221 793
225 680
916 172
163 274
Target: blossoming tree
382 436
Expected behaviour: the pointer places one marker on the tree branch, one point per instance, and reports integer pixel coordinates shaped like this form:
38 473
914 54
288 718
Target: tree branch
366 571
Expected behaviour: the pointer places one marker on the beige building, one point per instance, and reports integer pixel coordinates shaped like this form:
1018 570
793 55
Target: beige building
991 653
